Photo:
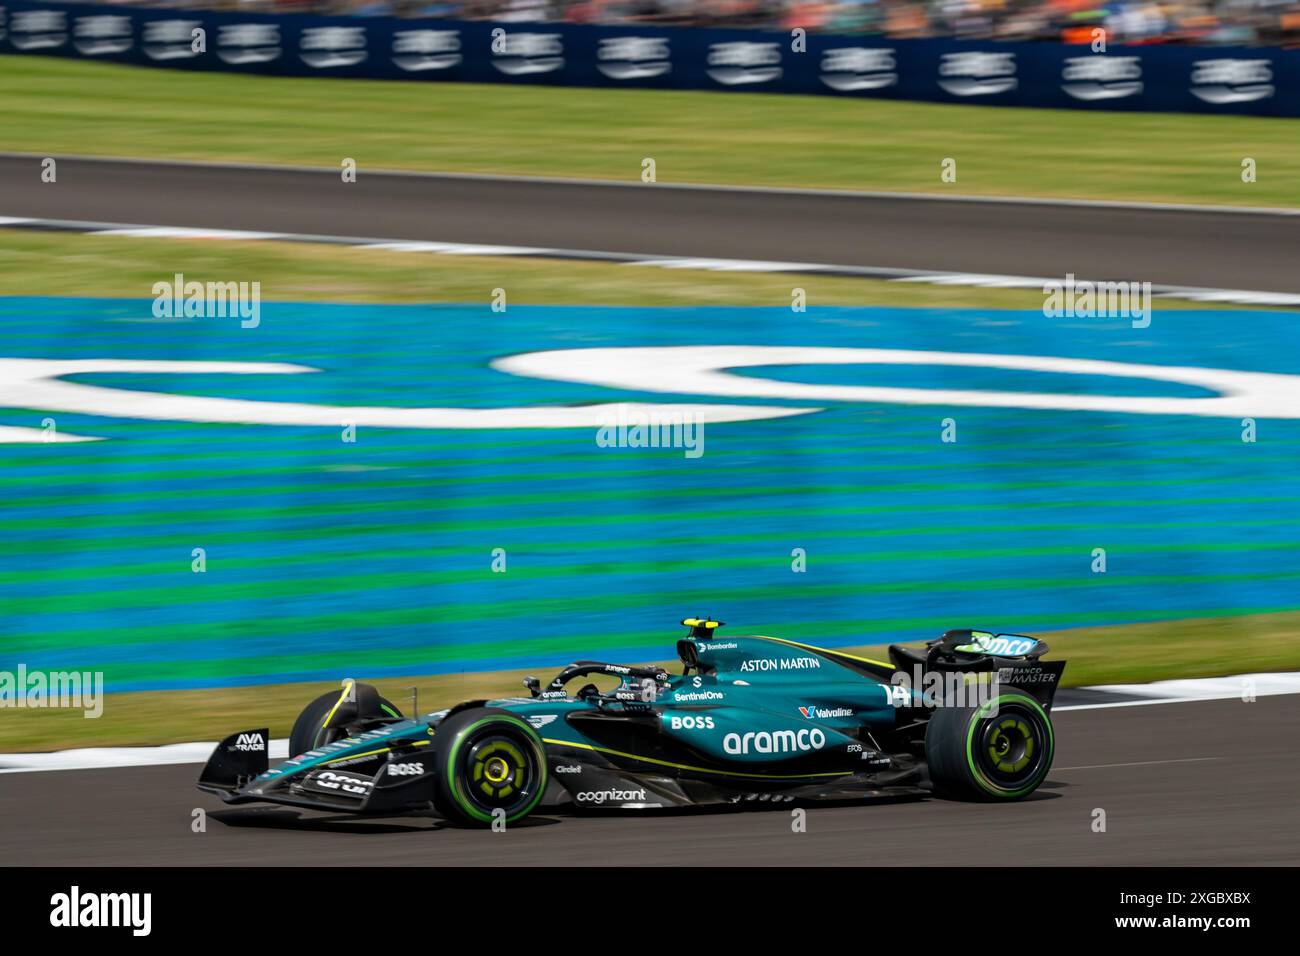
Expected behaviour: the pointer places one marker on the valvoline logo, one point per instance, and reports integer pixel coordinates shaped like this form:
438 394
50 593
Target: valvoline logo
813 712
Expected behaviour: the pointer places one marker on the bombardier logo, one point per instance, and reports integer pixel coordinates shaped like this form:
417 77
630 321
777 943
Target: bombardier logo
781 664
250 742
775 742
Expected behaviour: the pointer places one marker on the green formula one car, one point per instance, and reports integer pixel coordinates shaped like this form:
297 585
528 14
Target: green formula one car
749 720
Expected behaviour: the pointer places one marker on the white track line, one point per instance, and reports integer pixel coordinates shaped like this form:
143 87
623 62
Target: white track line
99 758
1136 763
333 172
931 276
1168 692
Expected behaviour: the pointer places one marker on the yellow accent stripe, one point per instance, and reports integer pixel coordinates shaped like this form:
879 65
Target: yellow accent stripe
682 766
371 753
347 689
824 650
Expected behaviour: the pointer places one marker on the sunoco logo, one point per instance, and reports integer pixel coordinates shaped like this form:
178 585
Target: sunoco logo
1000 646
102 35
518 54
38 29
1102 77
611 796
633 58
856 68
1232 81
419 50
744 61
324 48
776 742
977 74
170 39
242 43
782 664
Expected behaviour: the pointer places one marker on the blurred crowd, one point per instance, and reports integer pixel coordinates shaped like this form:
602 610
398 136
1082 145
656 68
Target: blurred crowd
1243 22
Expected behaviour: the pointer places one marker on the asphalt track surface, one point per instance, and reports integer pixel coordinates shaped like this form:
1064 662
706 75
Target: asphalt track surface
1172 247
1192 783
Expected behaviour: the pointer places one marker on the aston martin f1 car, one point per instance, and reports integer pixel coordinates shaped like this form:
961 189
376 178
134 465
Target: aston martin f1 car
748 720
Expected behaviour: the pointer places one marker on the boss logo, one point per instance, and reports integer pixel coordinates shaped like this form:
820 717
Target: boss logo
405 769
690 723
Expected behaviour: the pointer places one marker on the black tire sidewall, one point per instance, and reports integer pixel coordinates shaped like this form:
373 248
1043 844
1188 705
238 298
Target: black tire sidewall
947 747
449 741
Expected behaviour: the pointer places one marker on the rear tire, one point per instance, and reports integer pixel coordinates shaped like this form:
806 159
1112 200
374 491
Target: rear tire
977 754
309 730
489 763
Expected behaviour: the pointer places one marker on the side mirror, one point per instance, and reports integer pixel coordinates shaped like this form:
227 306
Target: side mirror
534 686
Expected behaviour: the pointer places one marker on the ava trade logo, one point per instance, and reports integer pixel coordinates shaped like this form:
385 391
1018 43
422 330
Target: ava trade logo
813 712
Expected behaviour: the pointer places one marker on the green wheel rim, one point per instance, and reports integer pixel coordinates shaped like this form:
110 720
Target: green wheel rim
1019 736
497 770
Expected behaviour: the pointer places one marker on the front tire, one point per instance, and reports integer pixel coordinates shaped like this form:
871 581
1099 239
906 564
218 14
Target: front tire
490 764
998 751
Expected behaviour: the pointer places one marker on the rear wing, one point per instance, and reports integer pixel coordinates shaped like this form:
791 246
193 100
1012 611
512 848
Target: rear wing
1013 658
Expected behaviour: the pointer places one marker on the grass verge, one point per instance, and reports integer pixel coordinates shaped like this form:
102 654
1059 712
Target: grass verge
34 263
58 106
1130 653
